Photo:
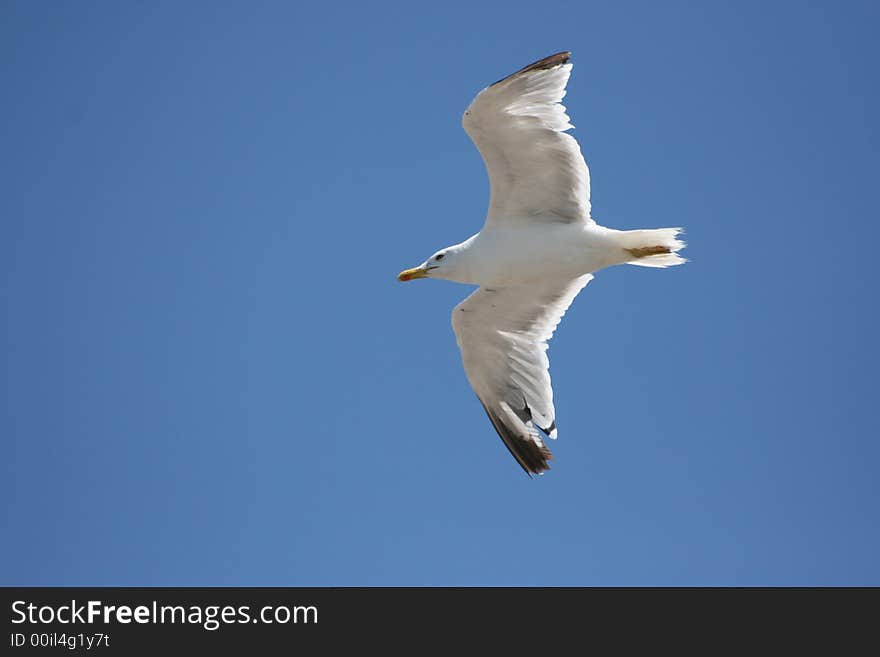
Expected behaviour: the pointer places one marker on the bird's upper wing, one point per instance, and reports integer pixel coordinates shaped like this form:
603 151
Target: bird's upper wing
502 334
536 170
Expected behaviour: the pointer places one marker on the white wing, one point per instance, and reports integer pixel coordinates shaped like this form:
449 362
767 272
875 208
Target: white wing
502 334
535 169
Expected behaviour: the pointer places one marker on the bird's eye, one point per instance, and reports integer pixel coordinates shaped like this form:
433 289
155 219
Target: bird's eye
439 256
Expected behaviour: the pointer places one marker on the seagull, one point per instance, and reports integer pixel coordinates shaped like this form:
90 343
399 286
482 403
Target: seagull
537 250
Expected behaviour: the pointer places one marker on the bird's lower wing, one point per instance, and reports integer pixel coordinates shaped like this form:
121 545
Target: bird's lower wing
502 334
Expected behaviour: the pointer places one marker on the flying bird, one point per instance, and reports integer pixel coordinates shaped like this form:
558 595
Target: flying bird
537 250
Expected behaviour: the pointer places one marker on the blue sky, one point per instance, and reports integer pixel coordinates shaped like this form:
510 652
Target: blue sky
211 376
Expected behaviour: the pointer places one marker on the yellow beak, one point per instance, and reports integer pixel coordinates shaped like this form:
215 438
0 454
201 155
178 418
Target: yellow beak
412 274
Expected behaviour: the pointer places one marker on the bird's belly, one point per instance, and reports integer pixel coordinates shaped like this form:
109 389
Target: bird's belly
526 255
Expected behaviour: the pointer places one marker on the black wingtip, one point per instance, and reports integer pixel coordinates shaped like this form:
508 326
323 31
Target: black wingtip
532 458
551 61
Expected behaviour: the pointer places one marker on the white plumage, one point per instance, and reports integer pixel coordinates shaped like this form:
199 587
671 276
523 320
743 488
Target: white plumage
535 253
534 167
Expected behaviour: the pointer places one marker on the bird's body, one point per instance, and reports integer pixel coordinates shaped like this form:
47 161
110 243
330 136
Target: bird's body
538 248
530 253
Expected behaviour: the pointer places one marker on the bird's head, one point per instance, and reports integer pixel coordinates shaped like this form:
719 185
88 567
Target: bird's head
442 264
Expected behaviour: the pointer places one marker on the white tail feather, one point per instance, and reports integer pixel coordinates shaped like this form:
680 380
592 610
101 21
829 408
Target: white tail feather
636 241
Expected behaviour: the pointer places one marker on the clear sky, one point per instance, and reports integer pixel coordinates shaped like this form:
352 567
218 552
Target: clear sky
210 375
